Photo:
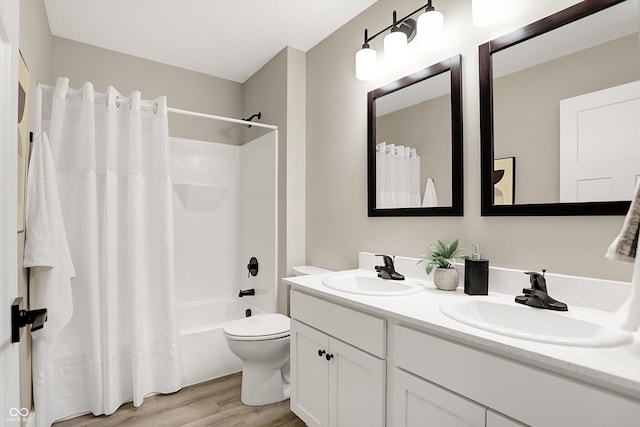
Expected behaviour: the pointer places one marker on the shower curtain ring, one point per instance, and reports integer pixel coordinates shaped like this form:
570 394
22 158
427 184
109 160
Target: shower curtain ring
155 108
117 102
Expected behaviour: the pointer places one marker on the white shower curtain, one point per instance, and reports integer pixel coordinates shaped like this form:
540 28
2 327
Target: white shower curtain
397 176
112 160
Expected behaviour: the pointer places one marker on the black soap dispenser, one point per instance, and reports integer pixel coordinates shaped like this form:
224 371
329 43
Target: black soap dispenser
476 274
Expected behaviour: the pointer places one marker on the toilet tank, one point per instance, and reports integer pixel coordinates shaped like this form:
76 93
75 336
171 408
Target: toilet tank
306 270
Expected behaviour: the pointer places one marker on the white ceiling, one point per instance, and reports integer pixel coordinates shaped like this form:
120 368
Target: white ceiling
231 39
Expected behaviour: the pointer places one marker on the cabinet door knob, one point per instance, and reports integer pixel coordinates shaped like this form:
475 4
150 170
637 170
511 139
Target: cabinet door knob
329 356
321 353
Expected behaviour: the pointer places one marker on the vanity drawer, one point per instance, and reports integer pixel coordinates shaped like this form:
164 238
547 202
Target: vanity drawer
354 327
534 396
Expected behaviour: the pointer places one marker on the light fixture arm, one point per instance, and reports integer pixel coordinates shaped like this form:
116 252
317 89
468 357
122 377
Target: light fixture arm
395 22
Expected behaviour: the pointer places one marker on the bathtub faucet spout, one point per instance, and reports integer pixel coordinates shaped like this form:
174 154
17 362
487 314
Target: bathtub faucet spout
247 292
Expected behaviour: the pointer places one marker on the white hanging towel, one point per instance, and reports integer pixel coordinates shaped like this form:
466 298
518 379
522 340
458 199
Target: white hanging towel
430 198
46 249
625 248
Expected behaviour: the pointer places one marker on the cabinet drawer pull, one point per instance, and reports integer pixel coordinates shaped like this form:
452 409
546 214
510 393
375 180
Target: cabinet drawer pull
321 353
329 356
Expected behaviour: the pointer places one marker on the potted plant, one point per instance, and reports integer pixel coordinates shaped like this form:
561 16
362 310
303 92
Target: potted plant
442 258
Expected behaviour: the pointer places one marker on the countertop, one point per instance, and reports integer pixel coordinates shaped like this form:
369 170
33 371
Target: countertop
616 369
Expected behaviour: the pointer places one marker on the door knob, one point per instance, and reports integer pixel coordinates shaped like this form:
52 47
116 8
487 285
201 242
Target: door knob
329 356
321 353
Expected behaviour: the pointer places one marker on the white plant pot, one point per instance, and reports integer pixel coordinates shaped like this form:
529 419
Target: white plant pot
446 279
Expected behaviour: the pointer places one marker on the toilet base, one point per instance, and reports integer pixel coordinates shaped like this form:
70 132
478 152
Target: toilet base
262 386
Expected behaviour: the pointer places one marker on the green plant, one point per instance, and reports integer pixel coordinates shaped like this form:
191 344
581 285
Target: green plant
442 256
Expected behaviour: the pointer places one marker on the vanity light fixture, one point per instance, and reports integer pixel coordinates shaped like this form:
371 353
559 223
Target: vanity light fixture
430 29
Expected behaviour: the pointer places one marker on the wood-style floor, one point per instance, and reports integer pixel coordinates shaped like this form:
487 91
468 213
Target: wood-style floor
212 403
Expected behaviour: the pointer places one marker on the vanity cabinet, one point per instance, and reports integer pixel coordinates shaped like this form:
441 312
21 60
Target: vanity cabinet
418 403
444 377
334 383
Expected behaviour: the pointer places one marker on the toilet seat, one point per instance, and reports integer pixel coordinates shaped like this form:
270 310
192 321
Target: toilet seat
258 328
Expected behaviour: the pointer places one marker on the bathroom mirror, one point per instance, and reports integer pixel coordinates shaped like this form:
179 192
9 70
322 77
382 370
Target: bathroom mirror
414 144
559 108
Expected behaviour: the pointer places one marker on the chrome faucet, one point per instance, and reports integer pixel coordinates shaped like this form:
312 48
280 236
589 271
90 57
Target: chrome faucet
388 271
537 295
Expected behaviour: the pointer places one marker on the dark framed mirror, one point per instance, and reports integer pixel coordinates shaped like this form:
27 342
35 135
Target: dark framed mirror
560 98
414 144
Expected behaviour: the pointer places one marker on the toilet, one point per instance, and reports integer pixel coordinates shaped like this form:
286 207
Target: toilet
262 343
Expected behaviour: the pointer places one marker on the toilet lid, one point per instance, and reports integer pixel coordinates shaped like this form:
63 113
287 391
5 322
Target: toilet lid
267 326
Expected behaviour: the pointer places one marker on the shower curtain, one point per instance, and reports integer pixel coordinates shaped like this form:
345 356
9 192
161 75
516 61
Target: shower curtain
112 162
397 176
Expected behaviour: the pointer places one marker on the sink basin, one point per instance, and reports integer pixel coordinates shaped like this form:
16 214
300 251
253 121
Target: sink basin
533 324
368 283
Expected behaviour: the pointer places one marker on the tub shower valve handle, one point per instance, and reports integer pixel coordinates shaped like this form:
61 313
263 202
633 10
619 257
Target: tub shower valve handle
252 267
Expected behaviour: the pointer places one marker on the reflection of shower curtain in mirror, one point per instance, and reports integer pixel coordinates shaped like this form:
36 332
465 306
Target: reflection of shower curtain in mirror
397 176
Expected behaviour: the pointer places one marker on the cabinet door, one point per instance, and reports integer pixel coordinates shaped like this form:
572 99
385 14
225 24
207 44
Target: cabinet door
356 387
419 403
309 374
495 419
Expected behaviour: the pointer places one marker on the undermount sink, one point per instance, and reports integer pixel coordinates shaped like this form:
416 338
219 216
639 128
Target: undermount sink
368 283
533 324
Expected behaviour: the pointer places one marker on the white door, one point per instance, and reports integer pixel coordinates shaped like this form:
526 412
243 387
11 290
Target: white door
356 387
419 403
599 150
309 374
9 362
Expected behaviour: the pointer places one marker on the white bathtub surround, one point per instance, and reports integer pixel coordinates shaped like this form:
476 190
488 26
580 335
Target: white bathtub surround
225 213
585 292
112 160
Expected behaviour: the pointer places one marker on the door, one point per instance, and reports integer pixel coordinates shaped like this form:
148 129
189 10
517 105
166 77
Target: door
356 387
599 148
309 374
419 403
9 361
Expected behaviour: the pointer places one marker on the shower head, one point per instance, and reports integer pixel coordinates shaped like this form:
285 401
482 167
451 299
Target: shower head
258 115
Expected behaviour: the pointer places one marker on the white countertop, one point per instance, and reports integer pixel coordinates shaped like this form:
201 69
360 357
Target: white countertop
616 369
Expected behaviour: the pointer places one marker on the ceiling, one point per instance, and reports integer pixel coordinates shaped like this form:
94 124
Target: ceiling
231 39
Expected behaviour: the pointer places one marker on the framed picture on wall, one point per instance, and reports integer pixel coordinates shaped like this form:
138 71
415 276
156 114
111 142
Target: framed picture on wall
504 181
23 134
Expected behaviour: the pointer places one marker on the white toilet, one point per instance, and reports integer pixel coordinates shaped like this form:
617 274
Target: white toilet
262 343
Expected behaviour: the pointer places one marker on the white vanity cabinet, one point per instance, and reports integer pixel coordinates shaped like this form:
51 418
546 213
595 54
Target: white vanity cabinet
445 379
334 383
420 403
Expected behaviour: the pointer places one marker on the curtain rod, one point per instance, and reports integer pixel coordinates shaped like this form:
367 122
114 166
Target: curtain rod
224 119
190 113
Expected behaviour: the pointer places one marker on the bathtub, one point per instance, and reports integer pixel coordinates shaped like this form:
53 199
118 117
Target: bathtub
205 354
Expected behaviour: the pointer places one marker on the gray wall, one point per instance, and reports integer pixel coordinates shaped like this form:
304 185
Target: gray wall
337 222
184 89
